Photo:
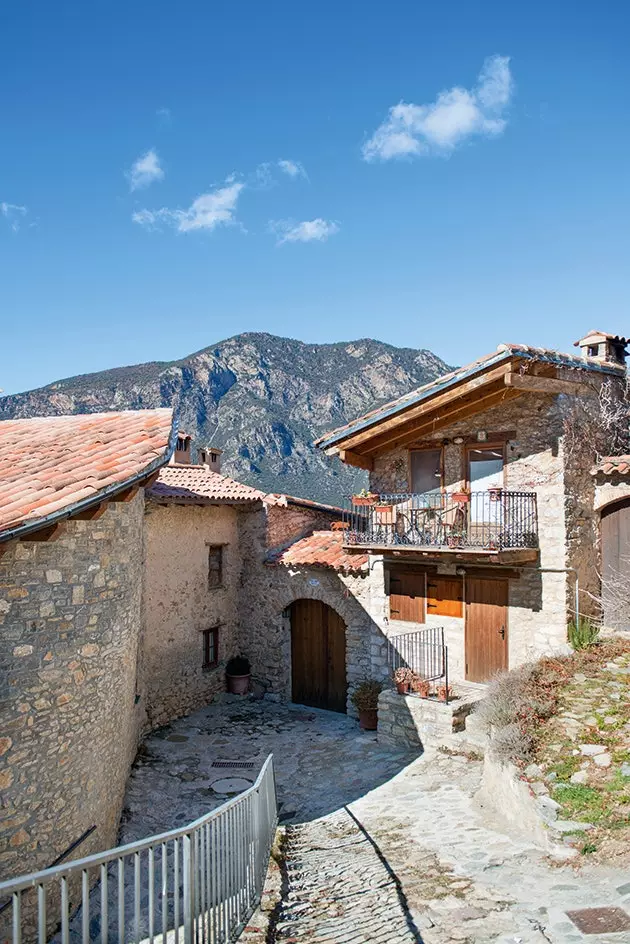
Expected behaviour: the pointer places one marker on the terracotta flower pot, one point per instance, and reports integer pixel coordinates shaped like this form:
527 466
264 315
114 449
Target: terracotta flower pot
368 719
238 684
444 693
461 497
364 499
421 687
402 687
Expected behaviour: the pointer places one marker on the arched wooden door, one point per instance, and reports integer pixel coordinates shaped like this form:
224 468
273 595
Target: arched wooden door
615 536
318 656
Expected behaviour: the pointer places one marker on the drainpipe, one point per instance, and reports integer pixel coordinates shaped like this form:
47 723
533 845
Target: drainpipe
566 570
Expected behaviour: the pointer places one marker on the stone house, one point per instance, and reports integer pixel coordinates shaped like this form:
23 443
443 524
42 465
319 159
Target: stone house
207 537
482 521
71 619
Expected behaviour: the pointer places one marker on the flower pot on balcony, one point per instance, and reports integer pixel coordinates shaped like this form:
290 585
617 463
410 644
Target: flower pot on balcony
420 687
455 540
495 493
460 497
361 500
383 509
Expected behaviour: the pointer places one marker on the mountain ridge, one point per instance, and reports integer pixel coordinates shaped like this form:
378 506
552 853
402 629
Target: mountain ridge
263 399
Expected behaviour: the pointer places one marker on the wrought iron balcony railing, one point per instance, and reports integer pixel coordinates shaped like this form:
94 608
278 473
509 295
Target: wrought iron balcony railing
494 520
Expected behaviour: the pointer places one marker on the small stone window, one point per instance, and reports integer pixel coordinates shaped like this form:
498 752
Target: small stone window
215 566
210 647
593 350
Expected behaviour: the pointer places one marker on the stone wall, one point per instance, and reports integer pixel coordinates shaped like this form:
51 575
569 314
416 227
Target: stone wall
268 591
534 462
288 523
180 605
413 723
70 618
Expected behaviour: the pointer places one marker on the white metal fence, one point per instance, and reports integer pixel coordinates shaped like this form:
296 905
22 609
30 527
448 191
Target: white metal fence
198 884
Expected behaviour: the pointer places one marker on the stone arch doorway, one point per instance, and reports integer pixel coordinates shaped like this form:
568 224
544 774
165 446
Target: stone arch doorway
318 656
615 538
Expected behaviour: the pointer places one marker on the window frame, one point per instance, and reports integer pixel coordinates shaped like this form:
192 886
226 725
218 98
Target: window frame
425 447
476 447
211 633
211 546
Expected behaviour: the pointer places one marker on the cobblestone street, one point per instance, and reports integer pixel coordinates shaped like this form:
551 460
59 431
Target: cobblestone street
378 846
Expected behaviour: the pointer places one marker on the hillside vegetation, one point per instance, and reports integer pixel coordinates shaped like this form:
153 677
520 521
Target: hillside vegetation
261 398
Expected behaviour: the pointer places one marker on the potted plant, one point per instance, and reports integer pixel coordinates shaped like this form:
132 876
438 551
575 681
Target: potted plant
364 498
365 700
495 492
444 693
420 686
461 497
403 678
238 672
455 539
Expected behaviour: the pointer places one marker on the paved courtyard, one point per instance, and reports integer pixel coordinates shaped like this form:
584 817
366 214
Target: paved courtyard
379 846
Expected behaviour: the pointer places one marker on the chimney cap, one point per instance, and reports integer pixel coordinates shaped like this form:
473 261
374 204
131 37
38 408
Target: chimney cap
596 337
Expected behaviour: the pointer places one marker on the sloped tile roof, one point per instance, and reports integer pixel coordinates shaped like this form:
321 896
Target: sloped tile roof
613 464
322 549
51 466
197 485
504 352
277 498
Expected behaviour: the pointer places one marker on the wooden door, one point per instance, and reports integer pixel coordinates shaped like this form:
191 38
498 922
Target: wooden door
615 542
486 627
318 656
445 596
406 596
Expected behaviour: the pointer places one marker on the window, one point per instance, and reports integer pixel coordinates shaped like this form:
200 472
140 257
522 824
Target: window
215 566
213 458
210 647
485 467
182 444
426 470
593 350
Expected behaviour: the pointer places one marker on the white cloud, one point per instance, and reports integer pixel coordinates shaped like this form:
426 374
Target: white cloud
292 169
145 171
206 212
288 231
13 214
414 130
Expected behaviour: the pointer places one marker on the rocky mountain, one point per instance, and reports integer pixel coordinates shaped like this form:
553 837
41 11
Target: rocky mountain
261 398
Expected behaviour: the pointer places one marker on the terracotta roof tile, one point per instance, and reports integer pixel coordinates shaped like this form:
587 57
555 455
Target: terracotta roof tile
322 549
49 465
612 464
197 485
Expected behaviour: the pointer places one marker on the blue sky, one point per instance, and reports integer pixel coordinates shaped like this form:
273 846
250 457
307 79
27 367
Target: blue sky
144 211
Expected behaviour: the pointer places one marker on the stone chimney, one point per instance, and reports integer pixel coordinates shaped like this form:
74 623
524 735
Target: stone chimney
181 456
210 456
599 346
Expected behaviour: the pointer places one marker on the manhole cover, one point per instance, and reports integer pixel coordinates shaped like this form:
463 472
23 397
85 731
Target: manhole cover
600 920
231 785
178 738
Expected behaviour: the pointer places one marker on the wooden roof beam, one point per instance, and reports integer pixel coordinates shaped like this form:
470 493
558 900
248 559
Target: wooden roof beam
445 418
353 458
421 409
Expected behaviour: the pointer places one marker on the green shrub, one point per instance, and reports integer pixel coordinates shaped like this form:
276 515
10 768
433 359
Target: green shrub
583 633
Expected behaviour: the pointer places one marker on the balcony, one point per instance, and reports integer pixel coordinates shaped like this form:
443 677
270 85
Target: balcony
494 524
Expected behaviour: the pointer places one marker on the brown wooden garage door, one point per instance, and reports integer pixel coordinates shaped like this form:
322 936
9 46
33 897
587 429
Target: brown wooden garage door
318 656
615 535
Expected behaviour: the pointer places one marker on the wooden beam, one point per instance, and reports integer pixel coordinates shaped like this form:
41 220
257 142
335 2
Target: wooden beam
534 384
49 534
522 555
424 408
91 514
353 458
127 495
443 419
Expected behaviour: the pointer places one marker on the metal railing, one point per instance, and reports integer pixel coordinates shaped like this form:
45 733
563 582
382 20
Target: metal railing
492 520
198 884
424 652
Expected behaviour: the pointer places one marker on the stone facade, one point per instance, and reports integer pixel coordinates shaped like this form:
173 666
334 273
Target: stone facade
413 723
289 522
70 618
537 611
180 604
